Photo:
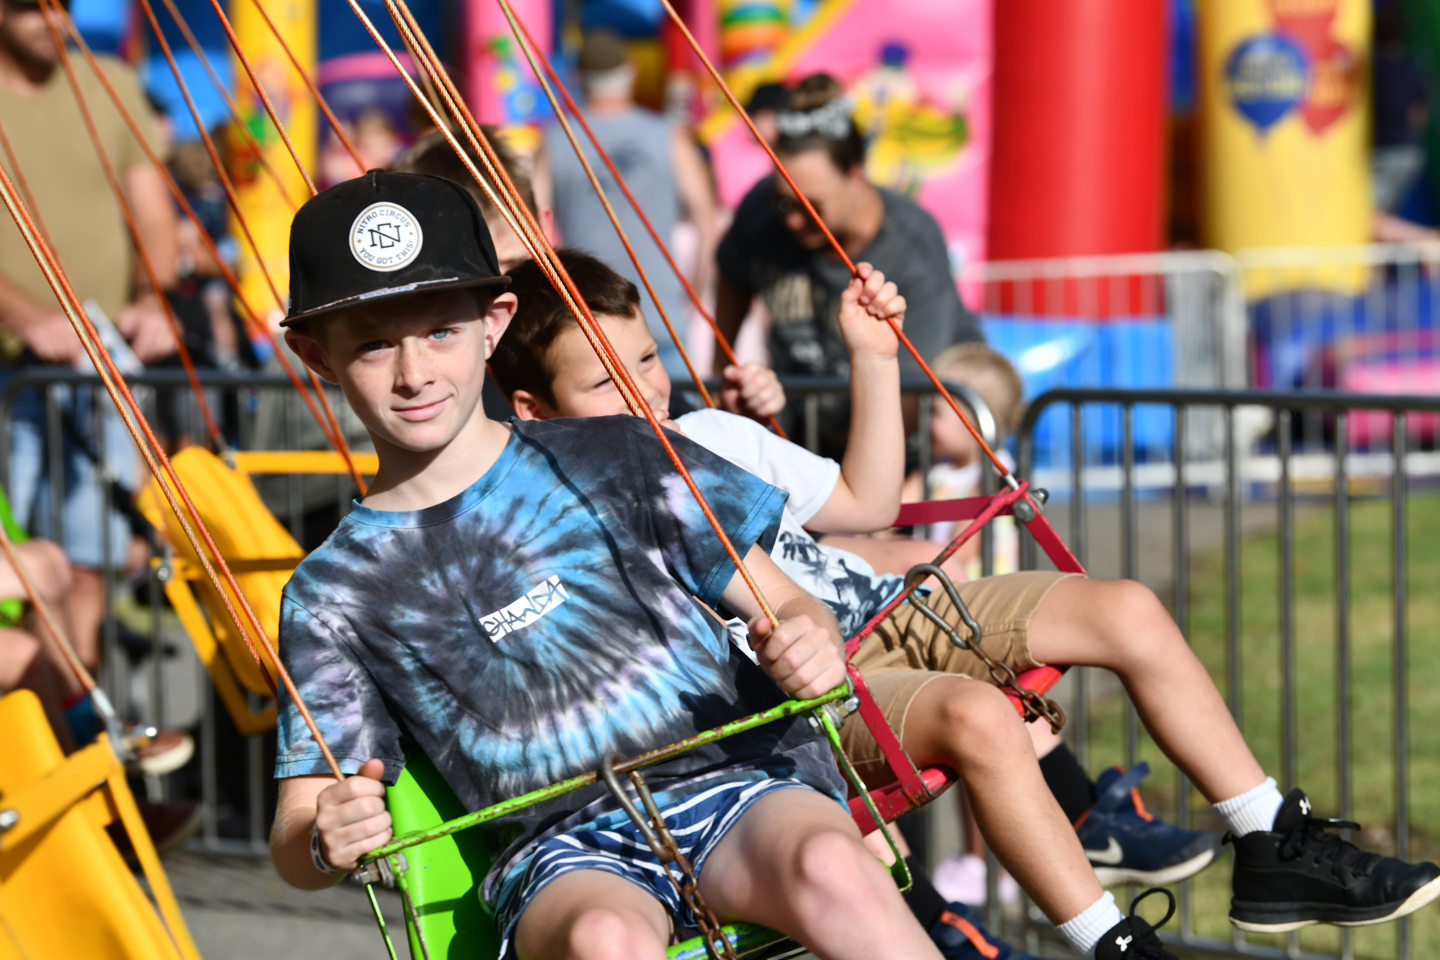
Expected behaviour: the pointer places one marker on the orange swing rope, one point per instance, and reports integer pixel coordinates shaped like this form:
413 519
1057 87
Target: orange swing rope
338 435
543 252
149 447
247 311
609 210
230 104
131 224
835 245
527 44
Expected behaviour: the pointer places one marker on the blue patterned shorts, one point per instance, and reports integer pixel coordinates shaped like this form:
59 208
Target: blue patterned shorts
613 845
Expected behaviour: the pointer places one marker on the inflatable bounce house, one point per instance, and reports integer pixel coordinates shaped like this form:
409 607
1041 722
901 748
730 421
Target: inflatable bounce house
1030 130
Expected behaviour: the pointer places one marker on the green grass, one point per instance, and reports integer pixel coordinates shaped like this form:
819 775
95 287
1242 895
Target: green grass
1371 628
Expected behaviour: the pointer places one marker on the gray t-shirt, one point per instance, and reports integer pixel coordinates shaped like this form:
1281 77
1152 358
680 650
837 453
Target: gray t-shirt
801 289
639 142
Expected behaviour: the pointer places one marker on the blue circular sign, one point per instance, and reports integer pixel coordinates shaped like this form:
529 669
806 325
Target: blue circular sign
1267 76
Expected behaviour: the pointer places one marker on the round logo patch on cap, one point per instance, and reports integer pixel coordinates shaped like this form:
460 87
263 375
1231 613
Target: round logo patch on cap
385 237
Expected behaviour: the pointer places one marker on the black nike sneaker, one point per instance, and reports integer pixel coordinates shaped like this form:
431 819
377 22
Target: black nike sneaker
1134 938
1297 875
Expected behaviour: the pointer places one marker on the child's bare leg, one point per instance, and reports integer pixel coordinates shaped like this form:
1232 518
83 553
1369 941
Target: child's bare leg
592 915
1122 626
794 862
875 842
1043 738
23 666
971 727
49 571
87 613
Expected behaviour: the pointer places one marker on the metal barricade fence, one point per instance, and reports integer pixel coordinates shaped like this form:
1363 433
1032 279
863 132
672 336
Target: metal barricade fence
1154 320
149 667
1289 570
58 426
1361 319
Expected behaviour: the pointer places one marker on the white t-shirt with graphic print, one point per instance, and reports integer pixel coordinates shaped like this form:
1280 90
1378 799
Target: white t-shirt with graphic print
846 583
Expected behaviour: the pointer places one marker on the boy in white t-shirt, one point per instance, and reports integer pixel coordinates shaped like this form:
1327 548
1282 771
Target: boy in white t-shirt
1289 872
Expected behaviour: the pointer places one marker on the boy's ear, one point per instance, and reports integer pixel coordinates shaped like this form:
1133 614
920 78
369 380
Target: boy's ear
527 406
308 349
497 319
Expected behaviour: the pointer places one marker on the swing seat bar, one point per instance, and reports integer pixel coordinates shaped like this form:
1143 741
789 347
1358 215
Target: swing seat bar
445 863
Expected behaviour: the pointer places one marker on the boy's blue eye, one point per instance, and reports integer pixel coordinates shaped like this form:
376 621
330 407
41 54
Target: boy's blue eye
372 346
442 333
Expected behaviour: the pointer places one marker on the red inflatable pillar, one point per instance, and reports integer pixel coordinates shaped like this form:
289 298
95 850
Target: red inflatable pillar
1078 160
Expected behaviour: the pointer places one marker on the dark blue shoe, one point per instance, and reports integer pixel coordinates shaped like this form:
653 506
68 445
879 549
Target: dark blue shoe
1126 844
961 936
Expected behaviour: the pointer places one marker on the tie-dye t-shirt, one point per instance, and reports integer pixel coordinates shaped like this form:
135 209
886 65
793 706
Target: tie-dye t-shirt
544 617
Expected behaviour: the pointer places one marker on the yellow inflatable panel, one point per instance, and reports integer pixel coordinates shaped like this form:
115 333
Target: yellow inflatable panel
1285 114
263 205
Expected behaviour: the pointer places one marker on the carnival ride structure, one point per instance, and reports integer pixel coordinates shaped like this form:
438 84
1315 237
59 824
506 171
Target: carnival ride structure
230 557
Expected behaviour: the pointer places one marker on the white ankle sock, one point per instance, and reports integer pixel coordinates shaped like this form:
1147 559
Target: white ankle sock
1252 811
1084 931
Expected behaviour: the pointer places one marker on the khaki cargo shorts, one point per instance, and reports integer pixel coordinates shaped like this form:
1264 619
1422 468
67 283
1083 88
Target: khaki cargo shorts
907 651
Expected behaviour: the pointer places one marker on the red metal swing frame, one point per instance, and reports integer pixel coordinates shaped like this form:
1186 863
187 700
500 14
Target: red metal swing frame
914 787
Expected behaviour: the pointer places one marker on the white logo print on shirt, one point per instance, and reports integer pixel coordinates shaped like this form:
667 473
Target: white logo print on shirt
540 600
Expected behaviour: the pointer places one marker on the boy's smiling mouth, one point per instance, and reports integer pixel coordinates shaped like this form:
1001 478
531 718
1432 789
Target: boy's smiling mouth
421 412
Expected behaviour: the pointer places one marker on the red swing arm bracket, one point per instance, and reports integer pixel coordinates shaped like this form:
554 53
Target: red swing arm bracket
914 787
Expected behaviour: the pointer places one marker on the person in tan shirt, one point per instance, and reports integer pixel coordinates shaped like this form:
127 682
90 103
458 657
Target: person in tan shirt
81 216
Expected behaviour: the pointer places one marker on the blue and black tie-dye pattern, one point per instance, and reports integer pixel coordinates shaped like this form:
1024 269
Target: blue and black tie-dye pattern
544 617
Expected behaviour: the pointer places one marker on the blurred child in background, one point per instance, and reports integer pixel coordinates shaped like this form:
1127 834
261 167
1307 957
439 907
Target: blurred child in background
957 464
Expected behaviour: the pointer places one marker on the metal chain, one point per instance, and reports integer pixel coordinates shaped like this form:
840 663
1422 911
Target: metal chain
662 843
1036 705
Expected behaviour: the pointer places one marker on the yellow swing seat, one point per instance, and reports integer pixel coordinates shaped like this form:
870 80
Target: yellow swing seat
259 550
65 890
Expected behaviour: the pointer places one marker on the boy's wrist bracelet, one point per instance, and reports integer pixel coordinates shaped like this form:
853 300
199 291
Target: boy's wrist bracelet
316 856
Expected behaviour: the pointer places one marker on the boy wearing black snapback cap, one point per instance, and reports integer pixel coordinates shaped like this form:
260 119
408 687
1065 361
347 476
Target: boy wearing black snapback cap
520 600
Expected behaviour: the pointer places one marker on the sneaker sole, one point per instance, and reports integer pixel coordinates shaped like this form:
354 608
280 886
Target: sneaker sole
1414 902
176 838
1116 876
169 761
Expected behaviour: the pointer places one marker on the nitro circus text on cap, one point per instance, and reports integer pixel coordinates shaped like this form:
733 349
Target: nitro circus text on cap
384 236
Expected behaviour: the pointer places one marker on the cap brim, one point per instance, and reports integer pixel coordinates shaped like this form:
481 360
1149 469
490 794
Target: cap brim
387 294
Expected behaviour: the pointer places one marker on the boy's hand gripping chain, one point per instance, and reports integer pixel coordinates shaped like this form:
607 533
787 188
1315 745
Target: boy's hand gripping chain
1036 705
662 844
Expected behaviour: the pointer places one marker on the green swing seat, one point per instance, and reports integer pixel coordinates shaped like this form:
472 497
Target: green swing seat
444 875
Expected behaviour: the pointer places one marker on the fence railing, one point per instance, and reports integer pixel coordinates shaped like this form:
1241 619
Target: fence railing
1362 319
1290 572
1286 562
58 427
149 668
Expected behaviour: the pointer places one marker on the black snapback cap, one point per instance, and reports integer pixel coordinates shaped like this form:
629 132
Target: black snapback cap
384 236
